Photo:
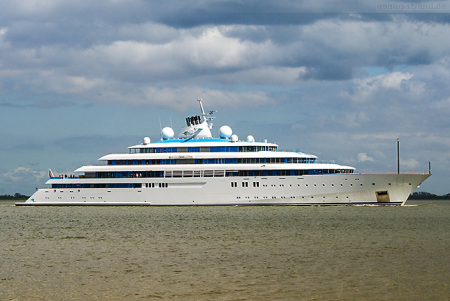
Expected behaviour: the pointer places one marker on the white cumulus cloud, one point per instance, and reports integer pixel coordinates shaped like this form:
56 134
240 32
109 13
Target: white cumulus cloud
364 157
23 173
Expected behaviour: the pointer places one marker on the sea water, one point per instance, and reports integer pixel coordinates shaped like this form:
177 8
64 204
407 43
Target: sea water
225 253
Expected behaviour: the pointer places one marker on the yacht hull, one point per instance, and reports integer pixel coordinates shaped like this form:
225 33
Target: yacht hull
332 189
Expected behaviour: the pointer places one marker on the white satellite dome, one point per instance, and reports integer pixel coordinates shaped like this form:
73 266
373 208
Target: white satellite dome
167 133
234 138
225 131
146 141
250 138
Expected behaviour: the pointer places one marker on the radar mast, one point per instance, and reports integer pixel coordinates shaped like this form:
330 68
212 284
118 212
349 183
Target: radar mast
206 119
201 108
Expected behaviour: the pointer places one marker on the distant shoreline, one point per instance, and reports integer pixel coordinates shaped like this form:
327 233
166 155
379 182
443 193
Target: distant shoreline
443 198
428 196
12 199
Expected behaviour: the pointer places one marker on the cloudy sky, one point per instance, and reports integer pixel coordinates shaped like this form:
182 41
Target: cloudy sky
339 79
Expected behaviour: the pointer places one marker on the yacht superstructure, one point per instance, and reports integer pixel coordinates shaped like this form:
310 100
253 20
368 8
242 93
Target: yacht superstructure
198 169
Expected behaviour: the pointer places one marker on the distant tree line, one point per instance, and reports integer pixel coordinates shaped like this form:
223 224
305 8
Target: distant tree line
428 196
15 196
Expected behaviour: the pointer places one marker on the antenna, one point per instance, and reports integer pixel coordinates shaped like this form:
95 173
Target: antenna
398 155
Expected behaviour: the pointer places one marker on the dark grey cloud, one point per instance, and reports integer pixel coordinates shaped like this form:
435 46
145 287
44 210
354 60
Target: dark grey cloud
75 23
75 34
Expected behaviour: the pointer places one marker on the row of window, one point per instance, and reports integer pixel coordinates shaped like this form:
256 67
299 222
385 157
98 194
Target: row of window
101 185
213 161
120 185
144 174
244 184
256 184
166 185
218 173
208 149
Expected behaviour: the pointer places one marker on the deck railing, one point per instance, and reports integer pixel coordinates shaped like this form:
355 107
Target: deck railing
406 172
66 177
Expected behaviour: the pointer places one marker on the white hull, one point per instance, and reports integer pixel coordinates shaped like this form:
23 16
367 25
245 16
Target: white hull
335 189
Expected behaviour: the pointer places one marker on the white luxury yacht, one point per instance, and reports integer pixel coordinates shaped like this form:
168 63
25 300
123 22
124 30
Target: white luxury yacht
197 169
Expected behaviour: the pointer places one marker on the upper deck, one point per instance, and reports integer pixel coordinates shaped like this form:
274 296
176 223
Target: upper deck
202 145
195 141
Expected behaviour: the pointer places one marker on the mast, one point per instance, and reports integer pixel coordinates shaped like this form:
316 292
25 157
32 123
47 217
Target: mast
206 119
201 108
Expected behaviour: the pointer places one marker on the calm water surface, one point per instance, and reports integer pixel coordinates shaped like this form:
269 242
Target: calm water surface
225 253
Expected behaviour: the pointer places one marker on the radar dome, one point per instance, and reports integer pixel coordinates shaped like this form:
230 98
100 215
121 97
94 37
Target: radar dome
146 141
250 138
167 133
225 131
234 138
